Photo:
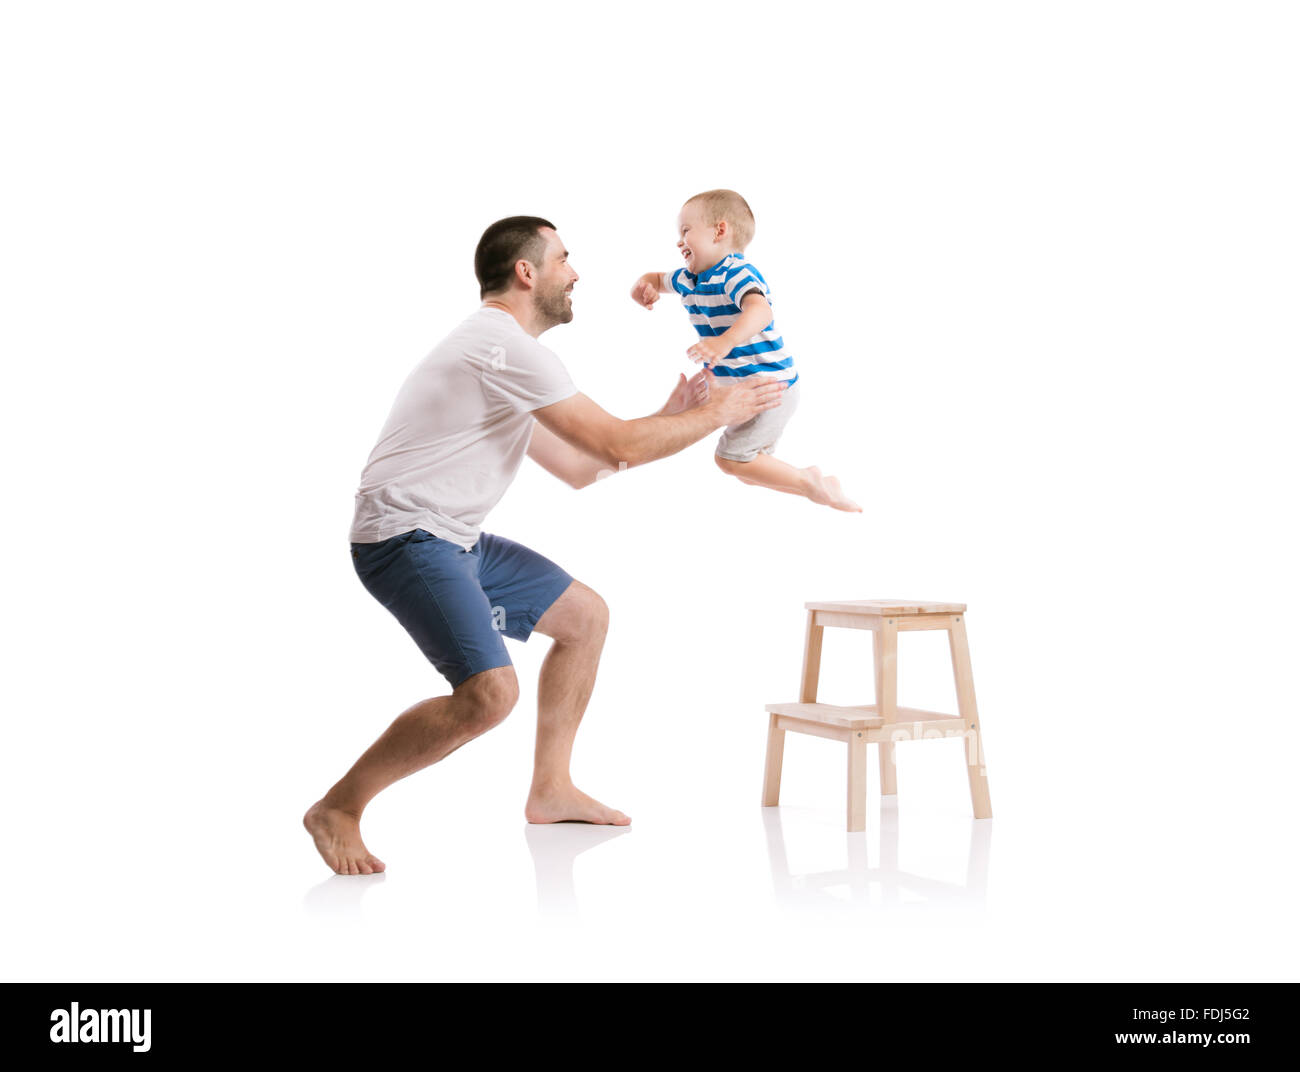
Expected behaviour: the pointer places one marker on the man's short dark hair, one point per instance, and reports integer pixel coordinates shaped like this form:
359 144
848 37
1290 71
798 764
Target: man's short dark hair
504 244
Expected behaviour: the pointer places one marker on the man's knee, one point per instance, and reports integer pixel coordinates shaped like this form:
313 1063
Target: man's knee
579 614
595 612
488 697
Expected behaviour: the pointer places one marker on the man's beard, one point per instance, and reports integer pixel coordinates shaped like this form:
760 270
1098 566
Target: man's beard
554 306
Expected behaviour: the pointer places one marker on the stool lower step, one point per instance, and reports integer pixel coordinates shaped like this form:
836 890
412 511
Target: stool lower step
836 722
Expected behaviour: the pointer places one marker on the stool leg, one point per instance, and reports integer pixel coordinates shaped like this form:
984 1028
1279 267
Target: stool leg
857 810
888 765
772 771
812 661
965 680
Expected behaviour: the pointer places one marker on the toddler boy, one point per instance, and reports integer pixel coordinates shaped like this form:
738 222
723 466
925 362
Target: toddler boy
727 300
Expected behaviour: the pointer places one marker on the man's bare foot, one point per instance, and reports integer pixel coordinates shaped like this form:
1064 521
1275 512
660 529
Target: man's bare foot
338 839
827 491
568 803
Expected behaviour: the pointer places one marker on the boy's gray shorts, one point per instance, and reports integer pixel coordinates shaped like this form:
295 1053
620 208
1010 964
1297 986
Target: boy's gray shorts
758 435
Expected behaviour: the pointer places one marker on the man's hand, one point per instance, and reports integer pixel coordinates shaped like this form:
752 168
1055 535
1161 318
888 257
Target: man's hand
709 350
735 402
687 394
645 291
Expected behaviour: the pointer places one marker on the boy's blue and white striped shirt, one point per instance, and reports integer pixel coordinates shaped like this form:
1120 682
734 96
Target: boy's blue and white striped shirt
712 300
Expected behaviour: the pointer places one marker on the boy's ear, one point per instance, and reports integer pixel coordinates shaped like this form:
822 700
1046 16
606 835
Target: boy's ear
720 230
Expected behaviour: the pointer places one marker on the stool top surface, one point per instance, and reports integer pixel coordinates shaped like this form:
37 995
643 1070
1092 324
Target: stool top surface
893 607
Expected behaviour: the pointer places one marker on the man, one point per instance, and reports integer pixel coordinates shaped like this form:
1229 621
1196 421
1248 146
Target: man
456 436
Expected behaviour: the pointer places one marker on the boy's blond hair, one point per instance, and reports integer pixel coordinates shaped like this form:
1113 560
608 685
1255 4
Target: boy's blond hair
718 205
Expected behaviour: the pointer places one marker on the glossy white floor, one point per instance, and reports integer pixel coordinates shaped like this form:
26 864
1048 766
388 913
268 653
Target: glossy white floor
1162 853
1037 265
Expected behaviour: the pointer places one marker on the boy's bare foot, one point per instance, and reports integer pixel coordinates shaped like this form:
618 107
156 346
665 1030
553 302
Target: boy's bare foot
557 804
837 498
827 491
338 839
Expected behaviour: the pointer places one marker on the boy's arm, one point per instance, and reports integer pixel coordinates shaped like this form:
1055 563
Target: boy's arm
756 314
646 290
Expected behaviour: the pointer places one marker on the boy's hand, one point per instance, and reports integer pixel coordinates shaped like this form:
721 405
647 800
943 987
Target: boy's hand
645 293
708 350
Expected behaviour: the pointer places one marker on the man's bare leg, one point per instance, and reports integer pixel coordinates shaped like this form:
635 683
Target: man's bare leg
769 472
577 621
421 735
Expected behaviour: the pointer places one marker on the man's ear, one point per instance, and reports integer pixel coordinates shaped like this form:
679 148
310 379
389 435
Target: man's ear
524 273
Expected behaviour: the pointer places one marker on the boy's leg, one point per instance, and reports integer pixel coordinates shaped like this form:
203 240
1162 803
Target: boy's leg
744 452
769 472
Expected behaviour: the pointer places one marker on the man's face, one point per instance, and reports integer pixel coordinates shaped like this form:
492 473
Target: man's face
553 295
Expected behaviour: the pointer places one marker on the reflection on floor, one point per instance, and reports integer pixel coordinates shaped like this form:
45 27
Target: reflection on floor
554 847
340 896
813 890
787 832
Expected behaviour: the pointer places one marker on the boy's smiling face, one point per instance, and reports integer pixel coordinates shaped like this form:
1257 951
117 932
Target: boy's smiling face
702 244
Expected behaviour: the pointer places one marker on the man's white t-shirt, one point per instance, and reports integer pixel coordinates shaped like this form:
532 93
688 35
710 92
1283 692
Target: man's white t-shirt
458 432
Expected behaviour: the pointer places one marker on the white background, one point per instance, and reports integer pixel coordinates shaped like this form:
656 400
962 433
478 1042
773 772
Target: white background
1037 266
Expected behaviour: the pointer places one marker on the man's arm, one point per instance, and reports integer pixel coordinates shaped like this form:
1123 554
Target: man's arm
575 467
616 444
578 468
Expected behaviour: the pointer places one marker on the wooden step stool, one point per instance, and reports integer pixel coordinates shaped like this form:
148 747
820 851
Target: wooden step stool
882 722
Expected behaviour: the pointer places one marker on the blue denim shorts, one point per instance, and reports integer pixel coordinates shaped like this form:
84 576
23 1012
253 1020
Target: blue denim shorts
457 604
